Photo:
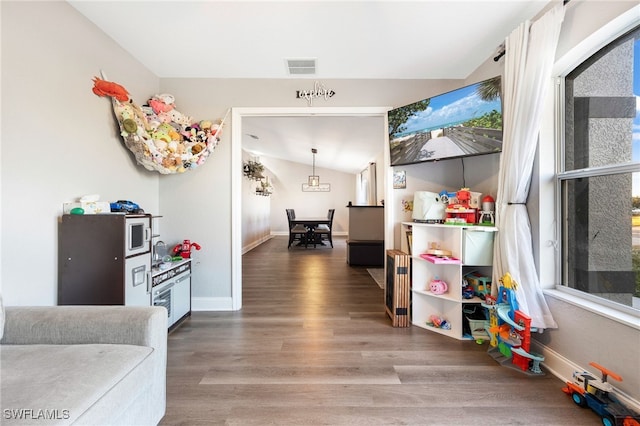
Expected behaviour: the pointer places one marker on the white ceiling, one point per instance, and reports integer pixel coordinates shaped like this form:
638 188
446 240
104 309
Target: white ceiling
361 39
345 143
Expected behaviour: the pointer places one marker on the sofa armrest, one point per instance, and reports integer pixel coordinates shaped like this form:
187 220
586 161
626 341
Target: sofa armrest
65 325
68 325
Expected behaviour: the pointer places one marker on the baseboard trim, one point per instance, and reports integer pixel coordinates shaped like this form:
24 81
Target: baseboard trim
256 243
563 369
211 304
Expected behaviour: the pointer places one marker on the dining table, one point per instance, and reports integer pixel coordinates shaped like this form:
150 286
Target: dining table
311 223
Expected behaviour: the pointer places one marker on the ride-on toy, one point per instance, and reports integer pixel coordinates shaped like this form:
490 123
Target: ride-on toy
589 391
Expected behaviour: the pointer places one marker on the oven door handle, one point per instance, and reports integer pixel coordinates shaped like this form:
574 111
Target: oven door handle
182 278
165 288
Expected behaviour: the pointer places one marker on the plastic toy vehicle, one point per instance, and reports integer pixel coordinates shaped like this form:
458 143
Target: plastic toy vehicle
589 391
126 206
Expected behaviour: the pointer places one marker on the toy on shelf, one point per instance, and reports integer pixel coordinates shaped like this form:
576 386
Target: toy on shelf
467 290
448 197
184 249
474 200
510 330
438 322
476 317
435 254
440 259
589 391
427 207
461 213
437 286
486 215
481 285
435 250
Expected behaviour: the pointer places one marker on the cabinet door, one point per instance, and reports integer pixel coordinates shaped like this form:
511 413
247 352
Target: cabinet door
136 280
91 260
181 297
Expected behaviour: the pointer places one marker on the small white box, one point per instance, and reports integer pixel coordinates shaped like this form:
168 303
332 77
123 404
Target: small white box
88 207
478 248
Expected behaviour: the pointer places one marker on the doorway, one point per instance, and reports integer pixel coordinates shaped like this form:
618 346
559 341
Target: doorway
237 116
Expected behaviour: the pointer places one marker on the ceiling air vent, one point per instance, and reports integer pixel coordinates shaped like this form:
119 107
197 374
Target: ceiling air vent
301 66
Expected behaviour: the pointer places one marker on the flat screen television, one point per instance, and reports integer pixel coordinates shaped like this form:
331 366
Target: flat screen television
464 122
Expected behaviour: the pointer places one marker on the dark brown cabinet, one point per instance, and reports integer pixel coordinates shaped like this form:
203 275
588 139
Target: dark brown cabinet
104 259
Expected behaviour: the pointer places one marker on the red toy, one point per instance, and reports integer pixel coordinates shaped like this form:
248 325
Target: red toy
184 249
460 213
109 88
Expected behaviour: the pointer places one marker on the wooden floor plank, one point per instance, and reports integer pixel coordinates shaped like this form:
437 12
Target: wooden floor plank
312 345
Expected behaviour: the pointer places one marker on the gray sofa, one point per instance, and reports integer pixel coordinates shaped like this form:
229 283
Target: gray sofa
83 365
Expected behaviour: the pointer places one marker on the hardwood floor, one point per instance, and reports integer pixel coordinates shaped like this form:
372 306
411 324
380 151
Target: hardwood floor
312 345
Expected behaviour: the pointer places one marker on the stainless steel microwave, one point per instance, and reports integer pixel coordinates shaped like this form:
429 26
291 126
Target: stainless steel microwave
137 235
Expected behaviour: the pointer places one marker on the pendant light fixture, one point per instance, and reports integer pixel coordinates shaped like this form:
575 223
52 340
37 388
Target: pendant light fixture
314 180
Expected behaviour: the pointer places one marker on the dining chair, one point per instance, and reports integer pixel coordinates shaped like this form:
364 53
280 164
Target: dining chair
324 231
297 232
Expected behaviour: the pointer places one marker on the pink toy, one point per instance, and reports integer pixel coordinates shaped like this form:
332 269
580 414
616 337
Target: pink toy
437 286
440 259
161 103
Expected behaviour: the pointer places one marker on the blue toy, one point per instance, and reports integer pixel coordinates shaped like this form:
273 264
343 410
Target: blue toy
126 206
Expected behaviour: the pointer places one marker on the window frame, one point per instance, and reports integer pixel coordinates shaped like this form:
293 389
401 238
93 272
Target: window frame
601 39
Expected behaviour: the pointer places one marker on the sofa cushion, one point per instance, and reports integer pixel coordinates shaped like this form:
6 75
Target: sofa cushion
57 384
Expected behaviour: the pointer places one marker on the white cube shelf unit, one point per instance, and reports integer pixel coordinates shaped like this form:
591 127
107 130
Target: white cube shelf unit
472 245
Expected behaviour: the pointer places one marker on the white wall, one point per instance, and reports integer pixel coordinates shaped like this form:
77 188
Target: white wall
59 140
256 210
480 175
287 193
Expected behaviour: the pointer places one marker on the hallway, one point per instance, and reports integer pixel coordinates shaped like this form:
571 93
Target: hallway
313 346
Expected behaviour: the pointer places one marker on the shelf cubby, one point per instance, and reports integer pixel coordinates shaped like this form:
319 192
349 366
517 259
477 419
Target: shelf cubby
472 245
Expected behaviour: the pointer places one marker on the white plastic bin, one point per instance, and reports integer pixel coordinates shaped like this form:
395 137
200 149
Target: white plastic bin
478 247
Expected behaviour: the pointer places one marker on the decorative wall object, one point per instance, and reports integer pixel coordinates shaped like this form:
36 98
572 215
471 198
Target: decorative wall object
264 188
399 179
318 91
161 138
253 169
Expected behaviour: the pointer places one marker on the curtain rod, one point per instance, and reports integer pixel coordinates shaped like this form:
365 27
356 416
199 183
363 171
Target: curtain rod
503 51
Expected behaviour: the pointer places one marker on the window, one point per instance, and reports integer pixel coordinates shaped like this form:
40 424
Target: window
599 179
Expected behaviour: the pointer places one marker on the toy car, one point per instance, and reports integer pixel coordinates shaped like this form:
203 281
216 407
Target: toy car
587 390
126 206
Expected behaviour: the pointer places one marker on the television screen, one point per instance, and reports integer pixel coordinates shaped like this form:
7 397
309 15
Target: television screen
460 123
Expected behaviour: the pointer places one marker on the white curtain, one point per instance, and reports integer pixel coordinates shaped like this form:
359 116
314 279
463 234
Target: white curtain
530 53
366 186
371 187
